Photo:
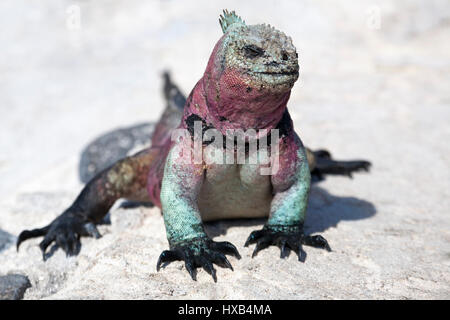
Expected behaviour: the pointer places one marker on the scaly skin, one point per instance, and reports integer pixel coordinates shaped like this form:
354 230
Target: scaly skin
246 85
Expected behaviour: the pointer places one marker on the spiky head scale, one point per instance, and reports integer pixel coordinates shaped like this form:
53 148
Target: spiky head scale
229 18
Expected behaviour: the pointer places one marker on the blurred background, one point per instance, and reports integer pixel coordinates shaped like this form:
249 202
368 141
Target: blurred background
374 84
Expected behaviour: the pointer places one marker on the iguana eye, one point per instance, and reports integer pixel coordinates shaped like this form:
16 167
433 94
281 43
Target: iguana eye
252 51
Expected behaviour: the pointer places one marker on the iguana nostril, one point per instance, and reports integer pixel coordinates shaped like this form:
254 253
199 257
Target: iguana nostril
284 56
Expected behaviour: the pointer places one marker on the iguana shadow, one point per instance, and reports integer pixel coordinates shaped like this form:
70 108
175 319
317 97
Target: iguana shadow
324 211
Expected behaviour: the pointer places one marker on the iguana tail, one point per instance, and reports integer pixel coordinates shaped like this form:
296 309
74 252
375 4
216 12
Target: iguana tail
171 117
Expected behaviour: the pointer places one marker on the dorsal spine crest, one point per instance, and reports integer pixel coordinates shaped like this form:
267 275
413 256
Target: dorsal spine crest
229 18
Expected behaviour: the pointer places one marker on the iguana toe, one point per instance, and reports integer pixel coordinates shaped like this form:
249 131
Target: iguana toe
199 252
287 238
65 231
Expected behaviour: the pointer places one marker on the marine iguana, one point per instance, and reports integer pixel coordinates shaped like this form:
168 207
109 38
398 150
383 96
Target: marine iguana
246 85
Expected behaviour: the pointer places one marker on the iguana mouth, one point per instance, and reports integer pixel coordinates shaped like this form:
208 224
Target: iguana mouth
276 78
284 73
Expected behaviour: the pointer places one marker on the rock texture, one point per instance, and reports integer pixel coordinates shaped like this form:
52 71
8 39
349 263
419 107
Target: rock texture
5 239
13 286
374 79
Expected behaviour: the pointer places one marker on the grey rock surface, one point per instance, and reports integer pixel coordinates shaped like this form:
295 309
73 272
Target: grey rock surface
6 239
374 79
13 286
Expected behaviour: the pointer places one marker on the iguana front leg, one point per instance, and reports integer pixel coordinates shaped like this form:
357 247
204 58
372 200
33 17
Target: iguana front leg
185 232
127 178
291 184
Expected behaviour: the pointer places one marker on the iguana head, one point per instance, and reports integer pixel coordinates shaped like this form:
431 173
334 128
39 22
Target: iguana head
264 55
249 75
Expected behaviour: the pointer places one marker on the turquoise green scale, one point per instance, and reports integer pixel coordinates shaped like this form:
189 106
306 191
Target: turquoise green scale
288 208
181 215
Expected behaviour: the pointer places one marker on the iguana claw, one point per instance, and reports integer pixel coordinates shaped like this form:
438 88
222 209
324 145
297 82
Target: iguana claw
65 230
287 238
199 252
